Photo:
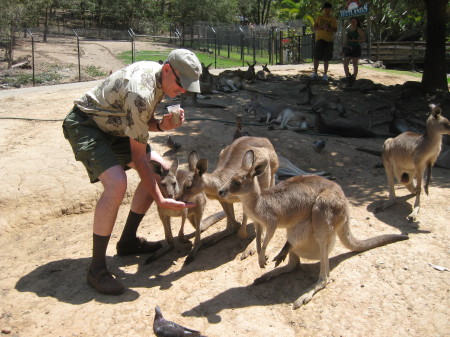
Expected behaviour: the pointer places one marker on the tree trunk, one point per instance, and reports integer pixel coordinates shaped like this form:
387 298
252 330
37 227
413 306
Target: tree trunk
435 72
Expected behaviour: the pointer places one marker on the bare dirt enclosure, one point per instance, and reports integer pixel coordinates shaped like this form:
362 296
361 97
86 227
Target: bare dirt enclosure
46 205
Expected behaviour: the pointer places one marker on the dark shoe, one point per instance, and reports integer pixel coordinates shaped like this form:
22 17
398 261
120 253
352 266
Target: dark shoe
137 247
105 283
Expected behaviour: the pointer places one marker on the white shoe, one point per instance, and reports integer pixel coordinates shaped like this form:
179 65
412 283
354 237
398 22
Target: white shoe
325 77
314 76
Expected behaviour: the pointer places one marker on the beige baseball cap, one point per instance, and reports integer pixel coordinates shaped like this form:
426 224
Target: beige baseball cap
188 67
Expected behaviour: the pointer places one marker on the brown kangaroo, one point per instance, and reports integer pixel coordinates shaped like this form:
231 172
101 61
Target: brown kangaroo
230 160
410 156
172 182
311 208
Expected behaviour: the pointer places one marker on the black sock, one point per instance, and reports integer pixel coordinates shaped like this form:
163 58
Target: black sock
131 226
98 263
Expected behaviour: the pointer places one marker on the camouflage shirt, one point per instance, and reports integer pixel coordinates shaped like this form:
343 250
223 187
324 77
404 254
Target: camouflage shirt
124 103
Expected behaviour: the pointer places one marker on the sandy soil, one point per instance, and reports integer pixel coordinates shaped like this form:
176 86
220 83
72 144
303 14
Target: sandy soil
46 217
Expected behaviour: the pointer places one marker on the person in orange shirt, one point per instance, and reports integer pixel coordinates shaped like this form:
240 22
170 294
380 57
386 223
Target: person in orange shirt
325 26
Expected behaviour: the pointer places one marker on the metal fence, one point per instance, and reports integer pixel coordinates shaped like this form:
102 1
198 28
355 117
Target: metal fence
262 44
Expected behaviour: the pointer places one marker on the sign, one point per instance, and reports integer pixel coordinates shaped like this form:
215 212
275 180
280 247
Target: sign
354 8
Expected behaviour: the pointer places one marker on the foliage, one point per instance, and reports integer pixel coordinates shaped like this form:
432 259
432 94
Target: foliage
94 71
26 79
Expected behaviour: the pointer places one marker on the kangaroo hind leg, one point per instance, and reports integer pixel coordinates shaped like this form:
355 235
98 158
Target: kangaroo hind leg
327 213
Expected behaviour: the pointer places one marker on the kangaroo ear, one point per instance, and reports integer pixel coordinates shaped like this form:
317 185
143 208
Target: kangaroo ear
260 168
192 160
157 167
174 167
435 110
248 159
202 166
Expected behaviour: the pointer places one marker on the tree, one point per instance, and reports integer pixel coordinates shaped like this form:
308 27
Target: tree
435 72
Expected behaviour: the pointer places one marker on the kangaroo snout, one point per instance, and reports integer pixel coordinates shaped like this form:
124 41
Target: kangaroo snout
223 192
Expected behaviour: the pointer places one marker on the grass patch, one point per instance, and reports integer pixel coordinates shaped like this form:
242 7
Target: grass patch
398 72
27 79
94 71
222 62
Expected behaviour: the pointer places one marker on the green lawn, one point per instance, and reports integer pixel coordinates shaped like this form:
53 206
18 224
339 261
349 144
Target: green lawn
233 61
221 62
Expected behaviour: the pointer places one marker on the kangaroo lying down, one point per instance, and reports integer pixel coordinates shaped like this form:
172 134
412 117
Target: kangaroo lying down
312 209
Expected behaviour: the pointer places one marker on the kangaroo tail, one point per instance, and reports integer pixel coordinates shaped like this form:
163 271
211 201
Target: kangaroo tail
211 220
349 241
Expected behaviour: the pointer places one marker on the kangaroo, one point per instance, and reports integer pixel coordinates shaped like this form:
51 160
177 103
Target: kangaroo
290 115
411 156
311 208
229 162
266 111
239 132
263 75
233 80
208 81
171 183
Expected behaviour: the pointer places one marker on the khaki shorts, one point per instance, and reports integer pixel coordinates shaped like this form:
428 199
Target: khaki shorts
97 150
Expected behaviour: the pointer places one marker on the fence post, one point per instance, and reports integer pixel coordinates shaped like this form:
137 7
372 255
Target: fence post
242 45
228 30
32 54
215 48
254 46
133 47
281 46
78 52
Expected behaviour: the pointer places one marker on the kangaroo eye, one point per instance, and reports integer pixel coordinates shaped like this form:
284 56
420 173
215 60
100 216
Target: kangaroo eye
236 183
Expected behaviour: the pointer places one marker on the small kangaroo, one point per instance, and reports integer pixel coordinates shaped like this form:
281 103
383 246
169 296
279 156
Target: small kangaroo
172 182
411 156
239 132
262 75
311 208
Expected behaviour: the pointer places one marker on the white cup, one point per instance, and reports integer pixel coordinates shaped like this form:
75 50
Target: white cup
175 111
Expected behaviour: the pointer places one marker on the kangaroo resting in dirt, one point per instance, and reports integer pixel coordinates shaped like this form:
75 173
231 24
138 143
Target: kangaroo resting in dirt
233 80
311 208
263 75
410 156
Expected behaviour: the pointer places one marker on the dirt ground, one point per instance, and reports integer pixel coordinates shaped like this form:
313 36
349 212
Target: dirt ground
46 204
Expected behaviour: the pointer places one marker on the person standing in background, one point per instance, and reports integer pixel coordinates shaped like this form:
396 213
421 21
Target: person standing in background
355 35
325 26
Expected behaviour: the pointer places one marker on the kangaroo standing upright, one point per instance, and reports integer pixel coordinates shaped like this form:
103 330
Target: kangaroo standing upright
410 156
311 208
172 182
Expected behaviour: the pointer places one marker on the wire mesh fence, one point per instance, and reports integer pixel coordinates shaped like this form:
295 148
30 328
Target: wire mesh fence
59 54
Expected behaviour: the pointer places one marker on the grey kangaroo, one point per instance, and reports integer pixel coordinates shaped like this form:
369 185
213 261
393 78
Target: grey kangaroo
172 182
410 156
230 160
312 209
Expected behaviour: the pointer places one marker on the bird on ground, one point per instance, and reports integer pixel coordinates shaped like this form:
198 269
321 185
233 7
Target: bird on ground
165 328
318 145
173 146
